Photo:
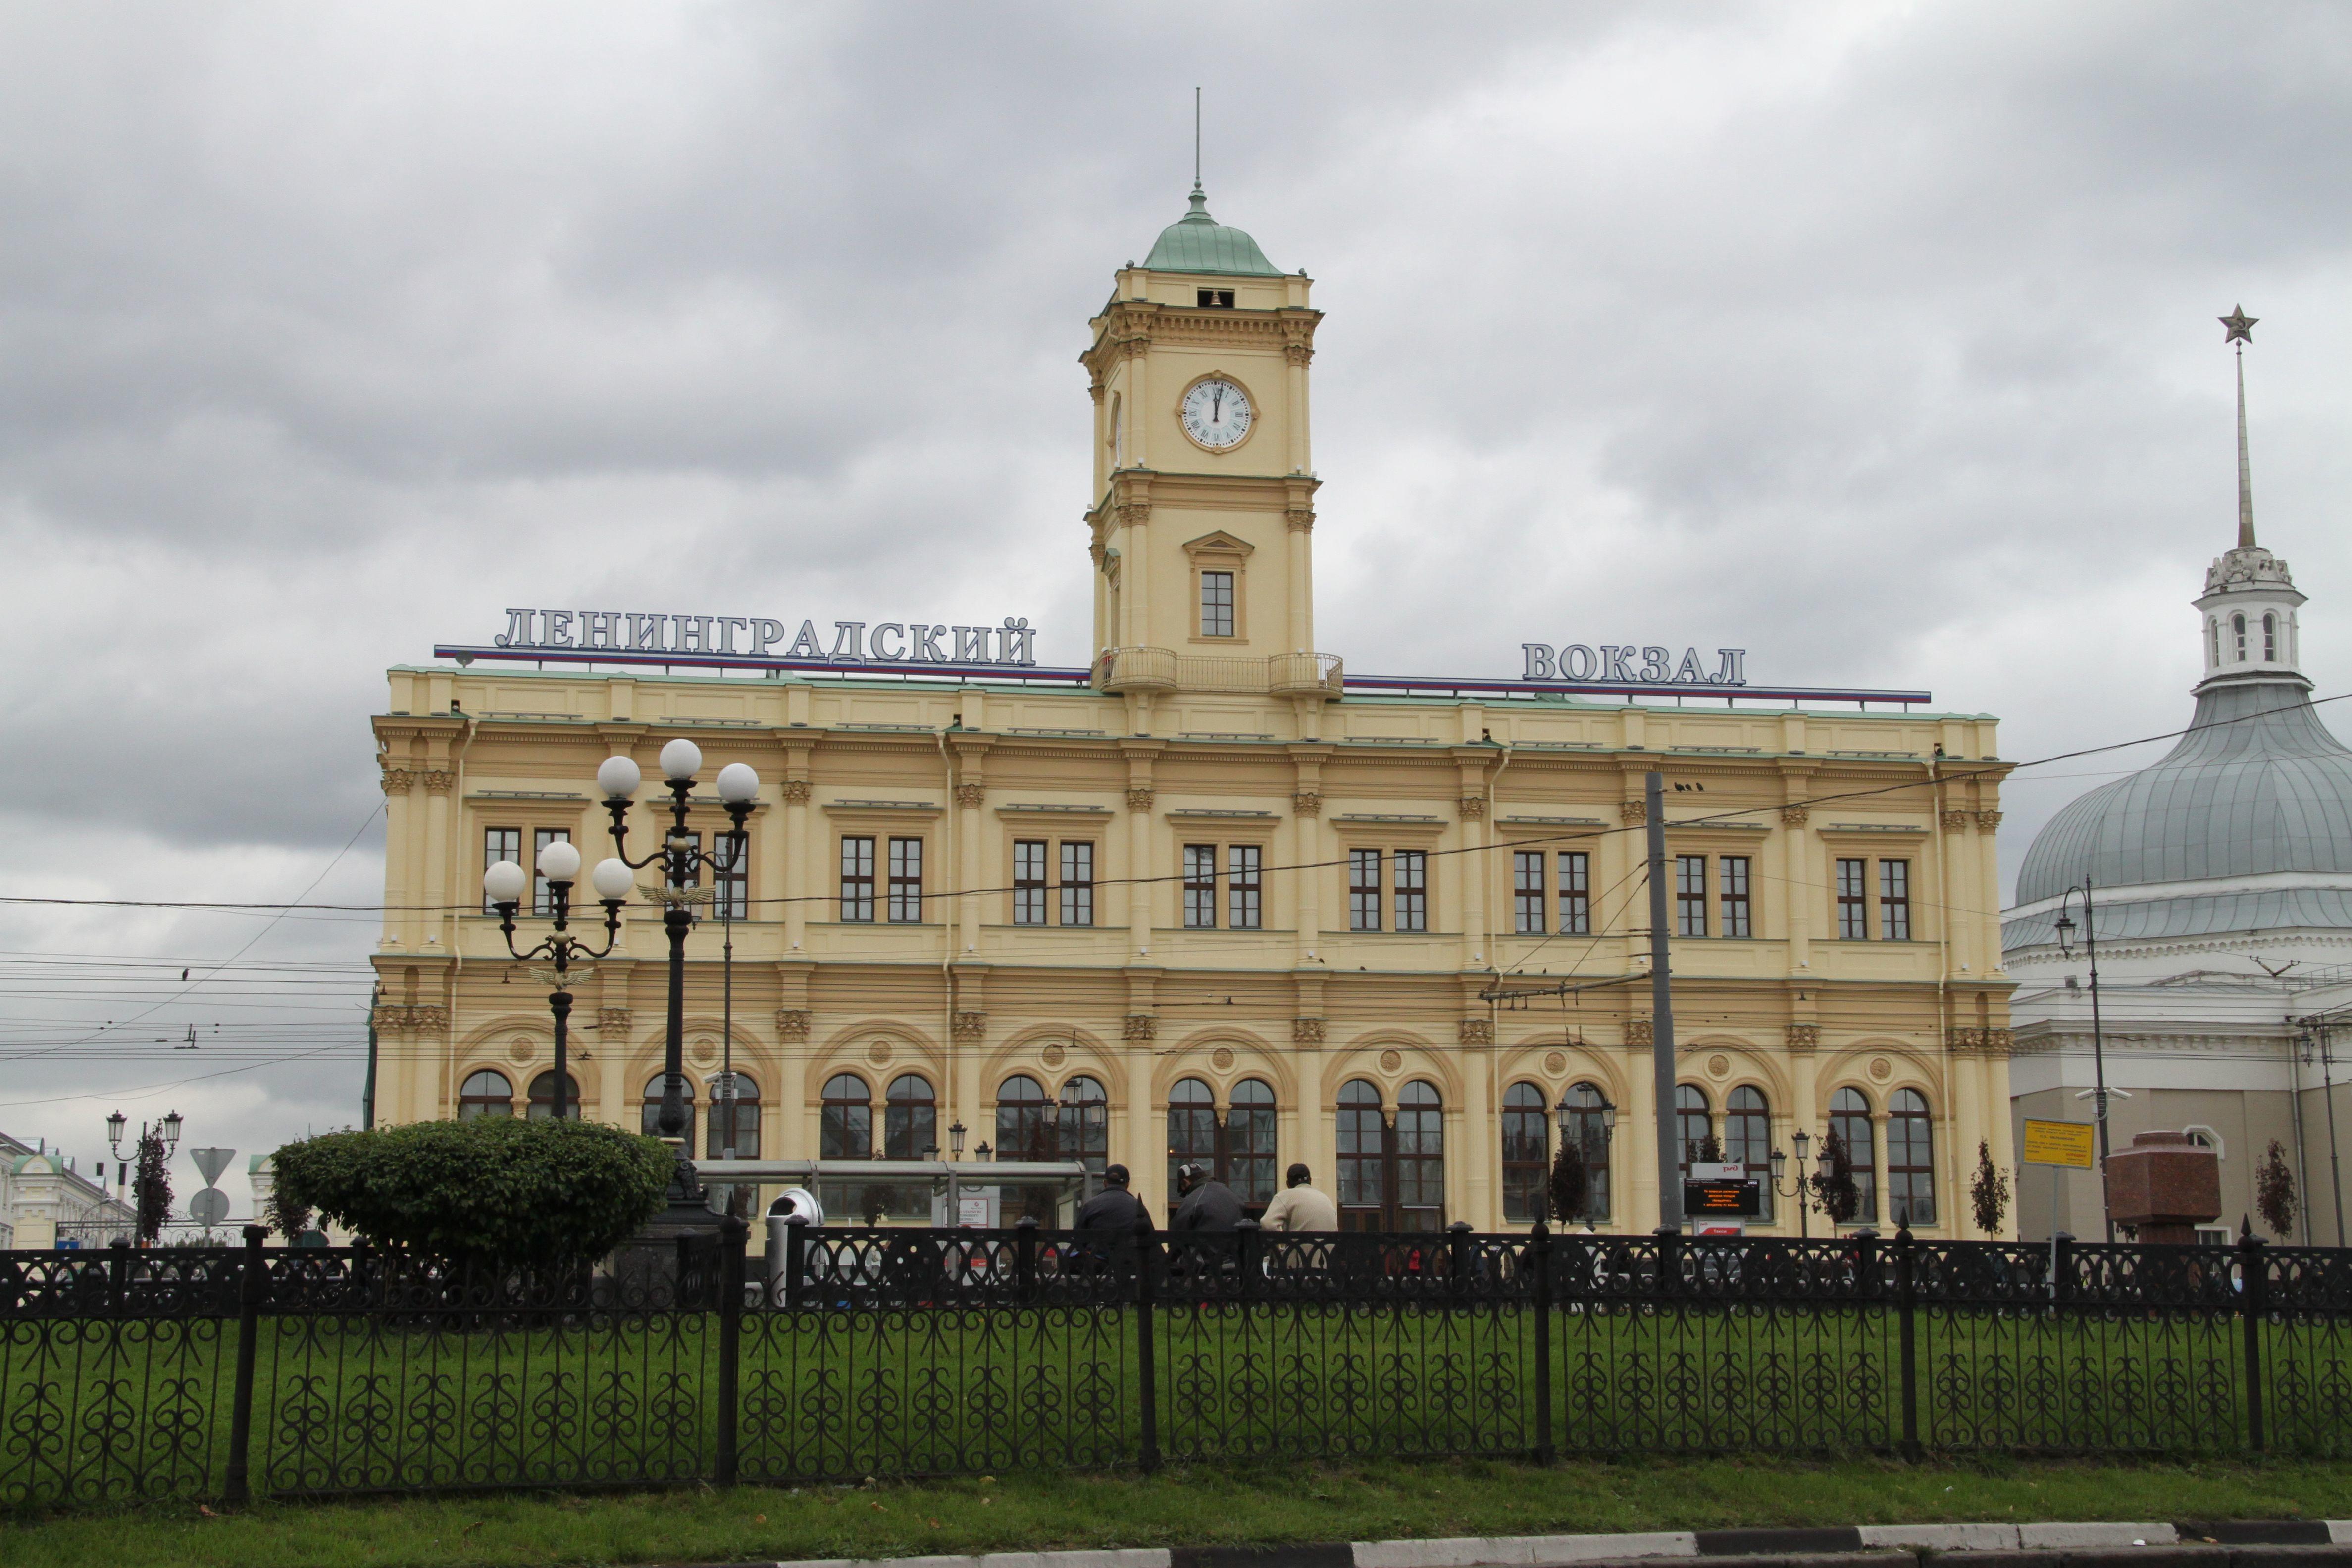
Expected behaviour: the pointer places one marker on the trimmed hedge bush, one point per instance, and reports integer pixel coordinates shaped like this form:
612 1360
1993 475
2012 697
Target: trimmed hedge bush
493 1190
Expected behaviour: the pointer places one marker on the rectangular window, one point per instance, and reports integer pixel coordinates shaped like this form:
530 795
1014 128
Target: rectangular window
1527 893
1853 916
1028 882
1077 883
1244 886
1895 901
907 881
1409 872
1690 896
1363 890
1731 891
499 845
733 874
857 879
1217 604
542 901
1200 887
1575 893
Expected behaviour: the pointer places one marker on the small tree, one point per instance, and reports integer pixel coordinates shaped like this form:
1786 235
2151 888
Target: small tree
152 1188
1838 1196
1569 1187
2274 1193
1708 1153
283 1215
1989 1192
497 1191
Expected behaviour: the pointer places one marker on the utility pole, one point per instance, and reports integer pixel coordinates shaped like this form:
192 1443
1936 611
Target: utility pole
1662 1006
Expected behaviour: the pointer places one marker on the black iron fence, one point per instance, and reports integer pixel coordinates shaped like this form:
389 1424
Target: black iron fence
237 1372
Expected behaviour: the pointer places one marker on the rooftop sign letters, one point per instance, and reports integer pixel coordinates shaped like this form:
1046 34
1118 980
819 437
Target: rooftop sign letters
1625 664
855 642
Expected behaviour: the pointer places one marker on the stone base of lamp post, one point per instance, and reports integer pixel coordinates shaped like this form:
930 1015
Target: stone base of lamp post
677 1242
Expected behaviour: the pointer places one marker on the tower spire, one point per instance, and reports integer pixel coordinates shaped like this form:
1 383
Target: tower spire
1196 141
2241 332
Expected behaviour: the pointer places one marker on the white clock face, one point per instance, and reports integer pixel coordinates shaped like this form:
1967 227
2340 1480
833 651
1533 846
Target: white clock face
1217 415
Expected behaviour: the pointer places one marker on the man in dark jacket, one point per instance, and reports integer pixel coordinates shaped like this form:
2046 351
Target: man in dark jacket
1114 1208
1208 1204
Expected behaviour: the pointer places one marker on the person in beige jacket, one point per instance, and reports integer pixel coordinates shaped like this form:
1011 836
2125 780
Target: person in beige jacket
1299 1207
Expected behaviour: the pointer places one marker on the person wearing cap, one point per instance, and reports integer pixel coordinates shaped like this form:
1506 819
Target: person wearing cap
1208 1204
1298 1207
1114 1208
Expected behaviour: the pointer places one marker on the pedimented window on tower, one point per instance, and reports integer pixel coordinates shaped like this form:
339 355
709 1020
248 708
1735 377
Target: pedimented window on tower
1216 298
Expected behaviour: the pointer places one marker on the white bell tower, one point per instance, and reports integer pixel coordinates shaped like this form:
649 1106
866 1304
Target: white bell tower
2248 608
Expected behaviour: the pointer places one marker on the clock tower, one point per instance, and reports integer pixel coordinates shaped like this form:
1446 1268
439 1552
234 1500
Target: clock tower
1202 523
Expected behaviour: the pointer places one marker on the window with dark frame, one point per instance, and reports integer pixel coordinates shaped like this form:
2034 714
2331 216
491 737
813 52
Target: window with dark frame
1363 890
745 1112
910 1115
857 879
499 845
731 874
907 881
1693 1124
1732 892
1589 1127
1575 893
1244 886
1747 1139
1192 1129
1419 1142
1690 896
1028 882
1527 1149
846 1124
1409 874
1200 887
1529 897
1363 1157
1249 1142
1853 902
542 1107
1895 901
649 1112
542 898
1849 1119
485 1093
1910 1160
1078 882
1217 604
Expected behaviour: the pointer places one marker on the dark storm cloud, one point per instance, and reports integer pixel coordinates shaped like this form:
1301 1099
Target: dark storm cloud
1877 339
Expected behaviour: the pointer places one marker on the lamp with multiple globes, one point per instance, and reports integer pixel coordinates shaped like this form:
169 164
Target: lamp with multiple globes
504 884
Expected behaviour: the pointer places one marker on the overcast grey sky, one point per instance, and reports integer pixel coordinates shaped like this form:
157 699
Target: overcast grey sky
1877 338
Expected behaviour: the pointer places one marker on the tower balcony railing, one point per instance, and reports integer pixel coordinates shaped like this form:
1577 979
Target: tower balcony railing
1166 670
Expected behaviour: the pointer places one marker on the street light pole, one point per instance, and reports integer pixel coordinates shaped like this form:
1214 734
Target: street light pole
2098 1034
559 862
1662 1007
682 859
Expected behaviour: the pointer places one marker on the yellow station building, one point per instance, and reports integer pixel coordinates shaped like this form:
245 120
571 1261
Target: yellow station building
1213 898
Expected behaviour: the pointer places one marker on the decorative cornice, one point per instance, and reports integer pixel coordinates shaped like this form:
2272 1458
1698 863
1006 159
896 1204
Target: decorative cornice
971 1027
795 792
1804 1035
426 1016
1476 1031
1979 1041
792 1023
1795 816
1139 798
972 795
1633 813
1307 802
1140 1026
1305 1031
1638 1032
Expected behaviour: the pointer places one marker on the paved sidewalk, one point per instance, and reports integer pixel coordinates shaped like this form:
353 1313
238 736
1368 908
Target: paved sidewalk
2275 1543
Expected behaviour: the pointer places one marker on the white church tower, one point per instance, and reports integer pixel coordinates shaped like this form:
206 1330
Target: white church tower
2250 600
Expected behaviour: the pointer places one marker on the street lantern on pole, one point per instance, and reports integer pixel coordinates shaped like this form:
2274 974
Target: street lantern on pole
1806 1193
683 860
1569 1111
504 883
2065 928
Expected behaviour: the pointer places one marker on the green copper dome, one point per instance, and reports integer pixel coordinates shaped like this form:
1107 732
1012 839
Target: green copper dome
1199 243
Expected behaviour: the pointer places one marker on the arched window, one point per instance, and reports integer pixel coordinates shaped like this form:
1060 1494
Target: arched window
1747 1138
1849 1125
1192 1128
2270 638
1085 1124
1527 1152
2238 634
1910 1160
2213 637
1021 1122
1363 1149
910 1119
485 1093
1249 1142
1694 1125
1420 1158
847 1127
542 1098
649 1115
1591 1130
744 1134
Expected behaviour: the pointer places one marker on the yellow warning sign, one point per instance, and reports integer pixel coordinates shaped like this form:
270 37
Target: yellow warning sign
2067 1143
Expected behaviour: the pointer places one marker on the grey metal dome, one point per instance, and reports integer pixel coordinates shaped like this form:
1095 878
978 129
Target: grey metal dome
2257 787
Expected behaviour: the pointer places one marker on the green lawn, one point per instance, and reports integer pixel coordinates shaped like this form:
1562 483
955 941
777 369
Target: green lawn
1181 1507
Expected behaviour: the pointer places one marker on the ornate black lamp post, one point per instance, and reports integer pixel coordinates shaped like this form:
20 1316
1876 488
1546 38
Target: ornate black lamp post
148 1204
682 860
1806 1194
1568 1129
559 862
2101 1093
